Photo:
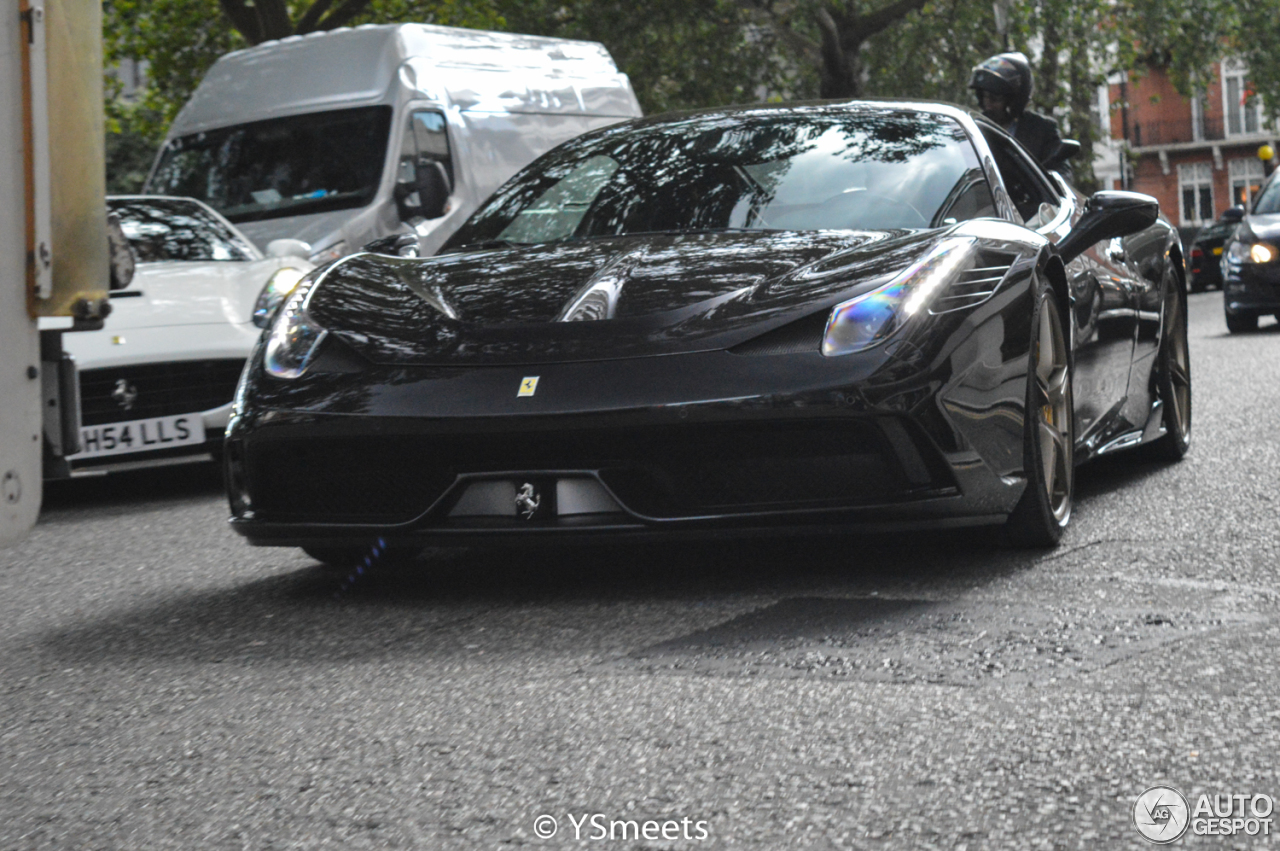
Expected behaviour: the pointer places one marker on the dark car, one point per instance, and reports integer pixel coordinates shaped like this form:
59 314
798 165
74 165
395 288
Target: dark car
1251 262
1204 263
855 315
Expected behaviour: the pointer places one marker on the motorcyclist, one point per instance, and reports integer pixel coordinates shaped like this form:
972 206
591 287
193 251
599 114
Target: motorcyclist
1003 87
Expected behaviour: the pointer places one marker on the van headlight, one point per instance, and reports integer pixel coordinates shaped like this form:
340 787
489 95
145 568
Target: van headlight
871 318
278 287
294 337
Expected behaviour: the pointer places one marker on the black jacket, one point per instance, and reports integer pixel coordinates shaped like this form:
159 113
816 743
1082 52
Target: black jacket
1038 134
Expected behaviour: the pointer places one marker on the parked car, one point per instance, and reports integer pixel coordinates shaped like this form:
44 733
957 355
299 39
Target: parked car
339 138
864 315
1251 262
1204 261
156 382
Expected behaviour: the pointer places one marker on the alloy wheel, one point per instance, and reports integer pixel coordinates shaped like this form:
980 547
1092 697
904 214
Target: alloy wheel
1053 417
1178 364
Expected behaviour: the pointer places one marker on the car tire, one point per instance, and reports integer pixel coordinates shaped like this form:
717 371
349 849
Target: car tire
1197 286
1044 510
1173 380
1242 323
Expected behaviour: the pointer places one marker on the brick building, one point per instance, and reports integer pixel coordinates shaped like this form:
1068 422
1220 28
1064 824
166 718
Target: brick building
1198 155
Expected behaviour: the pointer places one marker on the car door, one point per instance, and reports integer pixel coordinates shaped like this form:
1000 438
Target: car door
1100 290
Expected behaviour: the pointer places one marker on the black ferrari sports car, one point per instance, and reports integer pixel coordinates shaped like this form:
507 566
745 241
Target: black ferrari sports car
853 315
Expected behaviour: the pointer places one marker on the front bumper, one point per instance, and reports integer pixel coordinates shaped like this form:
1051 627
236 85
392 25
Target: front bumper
1251 288
683 444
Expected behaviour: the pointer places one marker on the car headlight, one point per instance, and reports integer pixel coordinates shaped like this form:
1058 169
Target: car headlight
294 337
1252 252
871 318
278 287
333 252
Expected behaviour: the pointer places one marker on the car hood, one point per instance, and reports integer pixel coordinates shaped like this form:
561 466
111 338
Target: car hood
191 293
315 229
647 294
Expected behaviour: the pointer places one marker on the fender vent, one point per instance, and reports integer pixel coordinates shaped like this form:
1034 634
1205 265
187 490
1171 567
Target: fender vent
802 335
976 284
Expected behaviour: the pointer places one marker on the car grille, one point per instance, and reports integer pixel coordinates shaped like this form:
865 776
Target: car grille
665 472
157 390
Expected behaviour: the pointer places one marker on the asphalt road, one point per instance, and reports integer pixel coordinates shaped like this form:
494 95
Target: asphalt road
165 686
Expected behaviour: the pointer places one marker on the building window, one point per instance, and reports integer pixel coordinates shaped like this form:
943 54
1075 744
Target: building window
1242 107
1195 182
1246 176
1197 115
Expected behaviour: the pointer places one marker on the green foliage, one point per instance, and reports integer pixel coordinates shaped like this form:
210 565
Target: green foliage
679 54
692 53
930 55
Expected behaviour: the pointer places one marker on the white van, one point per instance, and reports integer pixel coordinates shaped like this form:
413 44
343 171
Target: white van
339 138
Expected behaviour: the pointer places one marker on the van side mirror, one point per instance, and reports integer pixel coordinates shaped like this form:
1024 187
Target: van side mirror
396 245
1108 215
427 195
1233 214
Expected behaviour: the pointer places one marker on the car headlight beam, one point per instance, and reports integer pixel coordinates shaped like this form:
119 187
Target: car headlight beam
871 318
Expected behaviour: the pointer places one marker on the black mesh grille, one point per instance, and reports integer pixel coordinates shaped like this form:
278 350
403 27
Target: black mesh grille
156 390
667 471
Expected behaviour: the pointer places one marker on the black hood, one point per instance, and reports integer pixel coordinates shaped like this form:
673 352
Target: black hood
641 295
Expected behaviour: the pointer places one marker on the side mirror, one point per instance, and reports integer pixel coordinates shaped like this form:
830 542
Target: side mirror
1233 214
427 195
1108 215
1067 149
120 252
396 245
289 248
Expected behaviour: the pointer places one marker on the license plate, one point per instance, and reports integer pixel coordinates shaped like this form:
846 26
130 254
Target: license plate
140 436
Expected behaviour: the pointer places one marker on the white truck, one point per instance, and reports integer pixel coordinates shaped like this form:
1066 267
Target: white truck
54 258
340 138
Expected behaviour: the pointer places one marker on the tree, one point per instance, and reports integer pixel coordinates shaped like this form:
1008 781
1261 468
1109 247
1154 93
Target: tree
679 54
830 35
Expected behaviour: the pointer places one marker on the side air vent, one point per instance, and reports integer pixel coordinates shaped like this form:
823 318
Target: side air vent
976 284
802 335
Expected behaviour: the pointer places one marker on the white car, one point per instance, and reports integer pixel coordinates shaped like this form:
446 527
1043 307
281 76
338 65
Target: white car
156 382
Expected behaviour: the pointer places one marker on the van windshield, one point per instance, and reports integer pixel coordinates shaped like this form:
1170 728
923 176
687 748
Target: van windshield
280 167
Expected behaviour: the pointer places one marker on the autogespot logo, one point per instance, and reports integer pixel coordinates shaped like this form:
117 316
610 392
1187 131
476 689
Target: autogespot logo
1161 814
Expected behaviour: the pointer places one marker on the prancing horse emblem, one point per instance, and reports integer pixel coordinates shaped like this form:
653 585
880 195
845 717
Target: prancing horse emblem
125 394
527 501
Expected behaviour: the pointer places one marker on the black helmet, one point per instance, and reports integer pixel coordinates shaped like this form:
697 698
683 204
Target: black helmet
1007 75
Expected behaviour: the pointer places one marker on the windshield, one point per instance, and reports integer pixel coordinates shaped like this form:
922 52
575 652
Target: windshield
280 167
807 169
1269 200
160 229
